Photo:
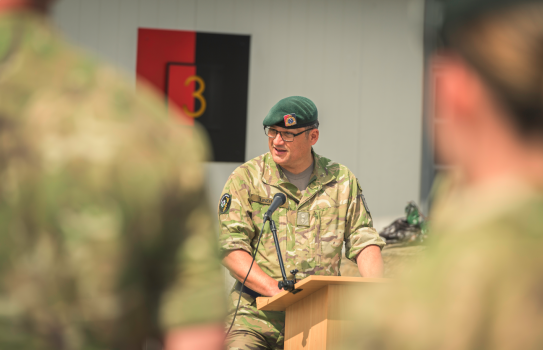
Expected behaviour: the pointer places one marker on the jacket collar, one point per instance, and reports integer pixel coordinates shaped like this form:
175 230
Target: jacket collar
274 176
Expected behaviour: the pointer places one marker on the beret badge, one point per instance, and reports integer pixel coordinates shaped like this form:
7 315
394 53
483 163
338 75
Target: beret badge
290 119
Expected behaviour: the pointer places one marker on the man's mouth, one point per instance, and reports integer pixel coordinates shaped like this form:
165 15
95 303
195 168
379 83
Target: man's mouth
279 151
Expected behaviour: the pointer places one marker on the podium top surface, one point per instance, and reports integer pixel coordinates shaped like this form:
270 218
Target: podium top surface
309 285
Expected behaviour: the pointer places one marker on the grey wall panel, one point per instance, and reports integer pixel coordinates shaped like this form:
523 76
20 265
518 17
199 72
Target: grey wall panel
243 17
108 25
68 18
224 16
260 75
168 13
206 15
391 105
148 13
128 37
89 26
359 60
186 14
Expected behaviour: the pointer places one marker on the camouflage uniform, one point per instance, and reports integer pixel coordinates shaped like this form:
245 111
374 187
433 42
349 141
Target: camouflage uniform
311 228
105 236
480 285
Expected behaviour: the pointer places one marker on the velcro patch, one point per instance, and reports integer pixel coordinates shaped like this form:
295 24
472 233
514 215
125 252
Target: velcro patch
358 184
290 119
303 218
266 201
224 204
362 197
365 204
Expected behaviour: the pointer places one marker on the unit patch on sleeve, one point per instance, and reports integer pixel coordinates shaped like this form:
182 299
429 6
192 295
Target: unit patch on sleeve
362 197
365 204
224 204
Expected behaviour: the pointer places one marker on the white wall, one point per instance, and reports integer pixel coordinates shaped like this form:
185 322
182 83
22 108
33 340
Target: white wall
360 61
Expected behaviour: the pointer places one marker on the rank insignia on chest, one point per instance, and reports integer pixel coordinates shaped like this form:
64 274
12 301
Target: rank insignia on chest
224 204
303 219
290 119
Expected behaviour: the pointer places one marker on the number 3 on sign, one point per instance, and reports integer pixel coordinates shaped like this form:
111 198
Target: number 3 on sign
197 95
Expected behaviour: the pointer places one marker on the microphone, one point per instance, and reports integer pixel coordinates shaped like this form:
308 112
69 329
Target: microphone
278 200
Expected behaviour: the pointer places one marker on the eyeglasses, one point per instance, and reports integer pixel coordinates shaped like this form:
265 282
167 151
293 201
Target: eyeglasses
285 135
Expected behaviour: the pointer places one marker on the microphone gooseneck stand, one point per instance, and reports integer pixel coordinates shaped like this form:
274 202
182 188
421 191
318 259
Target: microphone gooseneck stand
285 284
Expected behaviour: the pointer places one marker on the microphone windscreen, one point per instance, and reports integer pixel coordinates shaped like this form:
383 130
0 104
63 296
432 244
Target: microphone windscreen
282 196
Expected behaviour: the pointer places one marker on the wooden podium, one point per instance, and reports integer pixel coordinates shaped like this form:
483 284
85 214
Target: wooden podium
318 316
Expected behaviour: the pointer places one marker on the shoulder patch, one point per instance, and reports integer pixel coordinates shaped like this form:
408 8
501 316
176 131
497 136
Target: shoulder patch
358 184
365 203
362 197
224 204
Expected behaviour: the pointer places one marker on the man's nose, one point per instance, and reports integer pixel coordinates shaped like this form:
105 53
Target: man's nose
278 140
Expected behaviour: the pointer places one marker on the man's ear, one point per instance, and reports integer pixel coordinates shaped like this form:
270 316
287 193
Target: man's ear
459 91
314 136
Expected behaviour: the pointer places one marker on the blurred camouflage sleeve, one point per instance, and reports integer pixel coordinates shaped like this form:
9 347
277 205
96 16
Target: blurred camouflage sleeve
237 229
359 231
105 234
196 295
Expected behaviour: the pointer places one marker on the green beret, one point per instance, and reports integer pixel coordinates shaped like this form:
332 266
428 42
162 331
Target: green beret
459 12
292 112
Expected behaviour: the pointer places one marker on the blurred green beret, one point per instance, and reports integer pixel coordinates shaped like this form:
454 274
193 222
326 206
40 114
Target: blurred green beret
459 12
292 112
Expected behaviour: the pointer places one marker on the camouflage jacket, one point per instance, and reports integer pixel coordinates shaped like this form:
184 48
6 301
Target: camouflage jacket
105 234
311 226
479 285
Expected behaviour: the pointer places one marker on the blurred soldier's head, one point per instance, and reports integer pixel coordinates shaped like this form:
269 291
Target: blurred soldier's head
489 87
42 6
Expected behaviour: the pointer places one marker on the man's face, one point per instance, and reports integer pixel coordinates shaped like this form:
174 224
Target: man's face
290 154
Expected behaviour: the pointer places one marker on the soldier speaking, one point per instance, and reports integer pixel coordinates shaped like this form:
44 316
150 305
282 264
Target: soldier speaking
324 208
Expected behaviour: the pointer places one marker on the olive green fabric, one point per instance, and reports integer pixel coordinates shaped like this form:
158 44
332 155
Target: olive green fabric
478 287
302 109
105 234
332 205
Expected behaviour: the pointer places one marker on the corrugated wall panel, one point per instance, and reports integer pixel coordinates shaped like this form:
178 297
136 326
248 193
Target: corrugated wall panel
89 28
186 14
108 29
168 14
69 12
206 15
148 13
128 37
359 60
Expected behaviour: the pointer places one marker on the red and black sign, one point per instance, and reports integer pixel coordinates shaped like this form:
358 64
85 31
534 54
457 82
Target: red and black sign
207 76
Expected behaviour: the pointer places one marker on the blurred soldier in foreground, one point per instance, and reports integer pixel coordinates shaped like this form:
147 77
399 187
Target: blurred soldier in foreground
105 237
482 284
325 207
